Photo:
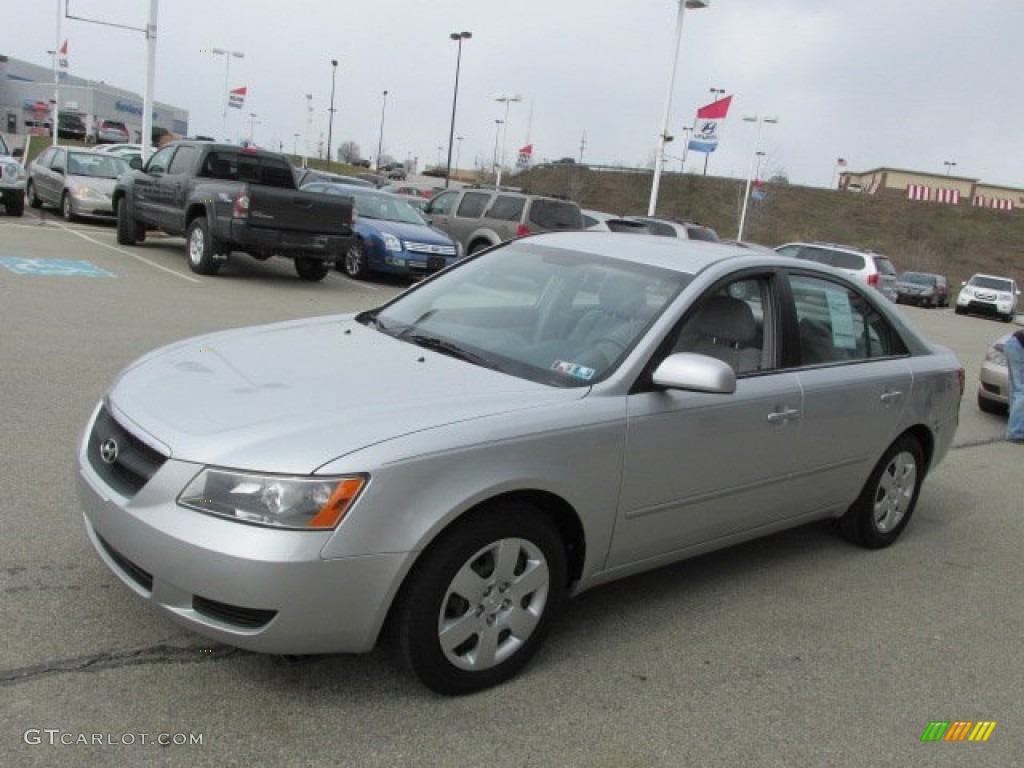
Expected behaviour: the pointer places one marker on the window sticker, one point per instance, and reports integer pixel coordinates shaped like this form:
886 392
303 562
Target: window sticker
573 369
841 314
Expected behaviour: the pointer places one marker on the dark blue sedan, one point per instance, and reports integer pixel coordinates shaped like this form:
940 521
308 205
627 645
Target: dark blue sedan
391 236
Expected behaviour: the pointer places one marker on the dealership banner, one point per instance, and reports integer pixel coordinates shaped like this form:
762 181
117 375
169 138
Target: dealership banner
704 137
62 57
525 158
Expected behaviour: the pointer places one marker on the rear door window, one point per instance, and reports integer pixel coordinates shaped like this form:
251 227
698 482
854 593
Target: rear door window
845 260
507 208
473 205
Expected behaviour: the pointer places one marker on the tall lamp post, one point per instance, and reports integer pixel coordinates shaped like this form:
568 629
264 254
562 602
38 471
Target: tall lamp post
949 165
380 141
253 122
309 127
330 122
457 37
228 55
507 99
664 138
754 158
458 151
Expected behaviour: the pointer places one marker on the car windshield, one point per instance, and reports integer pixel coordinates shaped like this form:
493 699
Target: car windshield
559 317
96 165
992 283
917 278
374 205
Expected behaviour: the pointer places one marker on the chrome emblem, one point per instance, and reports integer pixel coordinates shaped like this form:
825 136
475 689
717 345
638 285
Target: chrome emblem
109 450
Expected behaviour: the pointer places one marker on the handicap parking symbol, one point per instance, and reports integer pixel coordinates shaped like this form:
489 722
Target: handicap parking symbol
52 267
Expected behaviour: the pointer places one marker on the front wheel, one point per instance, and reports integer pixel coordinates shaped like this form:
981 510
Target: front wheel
480 601
65 208
354 264
33 198
201 248
309 268
883 509
129 231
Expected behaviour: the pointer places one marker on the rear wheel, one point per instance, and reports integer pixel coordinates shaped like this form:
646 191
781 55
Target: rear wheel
481 599
201 248
310 268
15 204
885 504
479 245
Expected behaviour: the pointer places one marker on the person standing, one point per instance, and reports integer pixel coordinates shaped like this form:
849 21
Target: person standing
1014 350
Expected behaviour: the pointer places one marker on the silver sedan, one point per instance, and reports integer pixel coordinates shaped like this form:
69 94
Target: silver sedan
78 182
558 412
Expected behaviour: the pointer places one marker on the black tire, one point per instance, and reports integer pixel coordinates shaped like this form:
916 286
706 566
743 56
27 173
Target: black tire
33 198
883 509
129 231
1008 317
509 603
354 263
312 269
476 246
14 205
65 208
201 248
959 310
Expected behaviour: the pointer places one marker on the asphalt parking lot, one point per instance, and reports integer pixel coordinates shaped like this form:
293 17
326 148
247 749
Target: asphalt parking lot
796 650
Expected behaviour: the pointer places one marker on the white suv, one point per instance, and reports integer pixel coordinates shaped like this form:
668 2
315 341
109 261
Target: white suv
989 295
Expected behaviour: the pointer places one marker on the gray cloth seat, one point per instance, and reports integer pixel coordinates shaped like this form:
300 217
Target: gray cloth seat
726 330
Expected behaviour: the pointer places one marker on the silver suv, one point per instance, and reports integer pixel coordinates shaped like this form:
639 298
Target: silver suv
872 268
480 218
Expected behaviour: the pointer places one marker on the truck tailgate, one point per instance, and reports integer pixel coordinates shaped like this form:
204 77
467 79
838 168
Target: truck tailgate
298 211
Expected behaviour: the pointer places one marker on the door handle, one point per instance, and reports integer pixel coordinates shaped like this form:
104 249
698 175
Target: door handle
781 417
890 395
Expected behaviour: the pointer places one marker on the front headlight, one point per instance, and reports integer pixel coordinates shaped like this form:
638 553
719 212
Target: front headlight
298 503
391 242
87 193
995 356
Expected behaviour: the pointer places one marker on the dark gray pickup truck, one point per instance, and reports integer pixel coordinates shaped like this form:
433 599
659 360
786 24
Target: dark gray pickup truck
224 198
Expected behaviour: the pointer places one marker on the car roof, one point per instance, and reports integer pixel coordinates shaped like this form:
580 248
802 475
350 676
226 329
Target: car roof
688 256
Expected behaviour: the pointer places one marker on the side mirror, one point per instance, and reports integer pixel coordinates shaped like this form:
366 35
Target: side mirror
697 373
18 152
135 163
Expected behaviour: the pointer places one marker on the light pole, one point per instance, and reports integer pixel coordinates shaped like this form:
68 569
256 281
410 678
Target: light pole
295 144
507 99
330 122
380 141
228 55
497 135
756 157
309 126
440 149
664 138
949 165
252 127
458 151
457 37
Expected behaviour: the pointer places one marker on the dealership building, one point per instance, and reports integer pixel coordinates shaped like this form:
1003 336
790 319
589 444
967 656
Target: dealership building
26 94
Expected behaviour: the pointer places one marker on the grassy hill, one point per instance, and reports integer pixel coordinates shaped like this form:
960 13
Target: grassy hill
956 240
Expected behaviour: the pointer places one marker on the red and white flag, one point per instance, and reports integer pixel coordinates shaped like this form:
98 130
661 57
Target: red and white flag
704 137
62 57
236 98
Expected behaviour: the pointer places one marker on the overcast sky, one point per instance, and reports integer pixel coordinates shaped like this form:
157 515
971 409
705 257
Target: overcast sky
900 83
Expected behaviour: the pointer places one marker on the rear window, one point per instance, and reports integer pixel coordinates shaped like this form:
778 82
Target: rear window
703 233
885 266
555 214
258 169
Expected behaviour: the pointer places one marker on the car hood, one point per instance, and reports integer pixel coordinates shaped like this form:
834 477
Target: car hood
100 184
292 397
420 233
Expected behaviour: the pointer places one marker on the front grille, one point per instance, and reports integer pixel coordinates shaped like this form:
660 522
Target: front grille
121 459
140 576
246 618
440 250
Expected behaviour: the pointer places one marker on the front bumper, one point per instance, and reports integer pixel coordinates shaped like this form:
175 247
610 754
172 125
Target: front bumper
994 383
256 588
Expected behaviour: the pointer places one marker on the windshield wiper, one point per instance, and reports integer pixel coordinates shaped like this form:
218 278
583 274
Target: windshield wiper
449 348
